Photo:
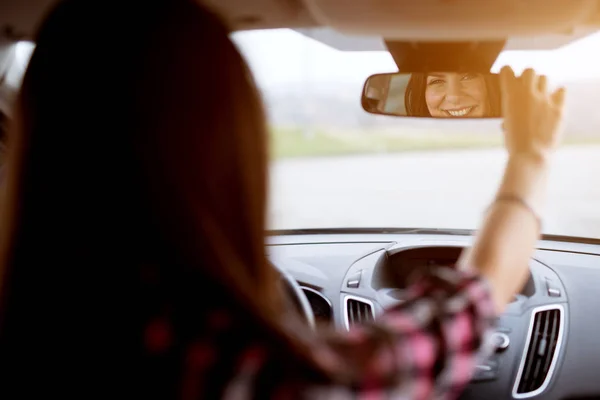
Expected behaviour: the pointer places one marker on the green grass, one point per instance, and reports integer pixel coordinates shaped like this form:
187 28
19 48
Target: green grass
293 143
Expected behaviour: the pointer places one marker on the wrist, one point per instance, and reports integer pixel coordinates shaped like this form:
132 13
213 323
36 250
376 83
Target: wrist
529 159
526 177
521 202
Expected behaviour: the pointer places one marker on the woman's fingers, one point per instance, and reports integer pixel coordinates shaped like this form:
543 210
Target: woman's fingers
532 114
542 84
558 97
507 71
529 78
507 78
506 74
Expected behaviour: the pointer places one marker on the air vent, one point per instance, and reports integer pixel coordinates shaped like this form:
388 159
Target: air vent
320 304
358 311
542 349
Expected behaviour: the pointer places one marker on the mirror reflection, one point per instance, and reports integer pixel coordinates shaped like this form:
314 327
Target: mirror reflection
433 95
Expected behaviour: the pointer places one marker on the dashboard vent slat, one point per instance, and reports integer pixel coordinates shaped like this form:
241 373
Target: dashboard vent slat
543 345
553 340
358 311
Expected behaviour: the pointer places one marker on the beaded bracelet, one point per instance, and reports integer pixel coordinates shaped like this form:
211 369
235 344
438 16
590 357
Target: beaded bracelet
523 203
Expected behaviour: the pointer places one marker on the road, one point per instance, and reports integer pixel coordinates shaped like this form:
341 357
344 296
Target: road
449 189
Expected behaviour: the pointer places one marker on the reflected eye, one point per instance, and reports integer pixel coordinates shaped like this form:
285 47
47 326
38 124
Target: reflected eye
468 77
435 82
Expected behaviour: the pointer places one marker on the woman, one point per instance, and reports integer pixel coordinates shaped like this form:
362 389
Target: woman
453 95
132 253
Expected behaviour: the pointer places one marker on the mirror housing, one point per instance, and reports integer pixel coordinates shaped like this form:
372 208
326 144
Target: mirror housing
433 95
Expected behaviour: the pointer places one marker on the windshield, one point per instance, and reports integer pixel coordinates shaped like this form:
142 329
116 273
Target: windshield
335 166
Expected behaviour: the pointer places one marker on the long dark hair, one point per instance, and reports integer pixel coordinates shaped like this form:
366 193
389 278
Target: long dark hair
137 180
414 97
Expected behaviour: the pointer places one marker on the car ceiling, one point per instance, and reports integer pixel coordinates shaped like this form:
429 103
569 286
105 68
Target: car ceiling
360 24
350 25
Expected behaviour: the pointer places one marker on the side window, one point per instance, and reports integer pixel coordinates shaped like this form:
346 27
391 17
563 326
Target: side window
14 58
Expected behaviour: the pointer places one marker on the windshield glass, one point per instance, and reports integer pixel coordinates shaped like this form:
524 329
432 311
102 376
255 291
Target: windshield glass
333 165
336 166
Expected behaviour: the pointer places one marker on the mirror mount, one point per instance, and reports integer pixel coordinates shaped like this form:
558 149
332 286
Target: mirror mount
445 56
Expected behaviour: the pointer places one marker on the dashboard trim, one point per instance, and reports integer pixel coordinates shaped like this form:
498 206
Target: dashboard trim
555 357
357 298
334 257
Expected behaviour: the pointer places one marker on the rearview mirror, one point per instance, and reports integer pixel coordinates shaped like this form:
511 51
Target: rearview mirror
433 95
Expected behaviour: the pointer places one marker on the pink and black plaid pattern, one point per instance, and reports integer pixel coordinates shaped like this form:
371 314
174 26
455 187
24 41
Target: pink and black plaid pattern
424 348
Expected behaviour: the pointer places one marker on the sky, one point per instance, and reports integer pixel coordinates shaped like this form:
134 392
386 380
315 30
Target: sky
283 56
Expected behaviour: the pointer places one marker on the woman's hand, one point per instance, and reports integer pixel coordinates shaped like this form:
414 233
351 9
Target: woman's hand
510 230
532 115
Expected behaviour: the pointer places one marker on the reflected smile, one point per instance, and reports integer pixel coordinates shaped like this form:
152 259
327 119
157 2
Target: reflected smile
460 112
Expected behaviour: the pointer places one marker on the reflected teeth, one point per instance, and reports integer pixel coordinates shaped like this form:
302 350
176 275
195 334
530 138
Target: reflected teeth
460 113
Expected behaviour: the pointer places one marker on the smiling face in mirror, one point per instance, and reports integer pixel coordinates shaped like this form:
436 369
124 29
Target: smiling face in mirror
434 95
451 94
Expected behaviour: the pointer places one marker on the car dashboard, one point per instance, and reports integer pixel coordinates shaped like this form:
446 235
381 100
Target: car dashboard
547 340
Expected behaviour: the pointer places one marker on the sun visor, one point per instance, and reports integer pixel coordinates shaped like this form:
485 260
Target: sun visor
453 20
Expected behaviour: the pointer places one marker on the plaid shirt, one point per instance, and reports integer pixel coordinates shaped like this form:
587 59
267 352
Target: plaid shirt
424 348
